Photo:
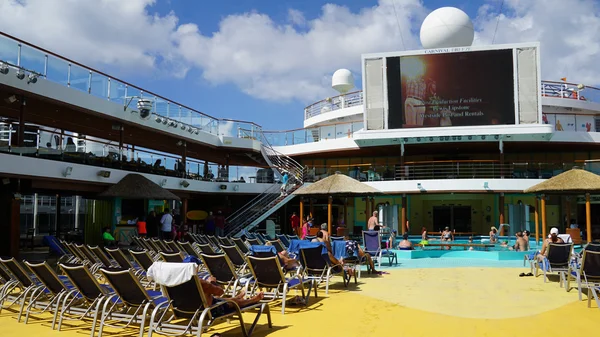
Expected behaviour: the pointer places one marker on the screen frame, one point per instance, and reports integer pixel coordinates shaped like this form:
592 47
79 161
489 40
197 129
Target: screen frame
512 46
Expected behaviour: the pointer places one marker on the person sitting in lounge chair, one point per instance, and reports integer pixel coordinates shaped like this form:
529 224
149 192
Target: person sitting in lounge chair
285 259
109 240
360 252
405 244
214 292
552 238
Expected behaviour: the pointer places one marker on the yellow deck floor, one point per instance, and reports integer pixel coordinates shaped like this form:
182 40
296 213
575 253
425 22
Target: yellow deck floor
410 302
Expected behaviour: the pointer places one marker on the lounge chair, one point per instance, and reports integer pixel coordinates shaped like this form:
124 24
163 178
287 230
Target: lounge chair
84 301
191 313
172 257
318 268
173 247
144 260
220 267
130 303
101 255
254 242
21 280
189 249
277 244
284 239
119 257
372 243
590 272
241 245
591 269
237 258
268 274
558 260
48 297
207 249
293 237
223 240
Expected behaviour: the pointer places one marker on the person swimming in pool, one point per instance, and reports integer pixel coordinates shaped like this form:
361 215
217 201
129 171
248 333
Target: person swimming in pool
493 235
405 244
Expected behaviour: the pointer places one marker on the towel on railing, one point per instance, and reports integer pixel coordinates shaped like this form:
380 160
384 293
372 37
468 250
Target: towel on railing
171 274
257 249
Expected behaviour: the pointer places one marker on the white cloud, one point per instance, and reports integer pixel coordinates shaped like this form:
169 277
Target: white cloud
279 62
567 31
292 60
115 33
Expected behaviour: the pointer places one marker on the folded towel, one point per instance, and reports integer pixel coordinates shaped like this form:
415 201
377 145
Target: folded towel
296 245
171 274
254 249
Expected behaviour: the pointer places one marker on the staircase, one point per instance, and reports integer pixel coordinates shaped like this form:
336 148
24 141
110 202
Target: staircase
266 203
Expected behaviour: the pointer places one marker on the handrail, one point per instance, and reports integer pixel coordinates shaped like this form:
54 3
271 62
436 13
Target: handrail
271 190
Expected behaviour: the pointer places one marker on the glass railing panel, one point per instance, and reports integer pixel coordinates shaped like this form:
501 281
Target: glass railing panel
32 59
162 108
99 85
57 70
80 78
117 91
132 95
299 136
9 50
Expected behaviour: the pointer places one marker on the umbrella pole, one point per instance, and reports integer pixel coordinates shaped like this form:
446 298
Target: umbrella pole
299 230
537 221
588 218
543 216
329 201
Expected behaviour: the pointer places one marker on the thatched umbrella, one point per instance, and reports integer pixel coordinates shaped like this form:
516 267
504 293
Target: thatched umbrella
136 186
335 185
574 181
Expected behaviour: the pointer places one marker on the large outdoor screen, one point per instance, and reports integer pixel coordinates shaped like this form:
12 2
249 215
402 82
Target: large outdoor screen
452 89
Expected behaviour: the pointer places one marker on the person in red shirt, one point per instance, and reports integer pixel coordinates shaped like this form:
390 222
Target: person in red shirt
141 227
219 224
295 222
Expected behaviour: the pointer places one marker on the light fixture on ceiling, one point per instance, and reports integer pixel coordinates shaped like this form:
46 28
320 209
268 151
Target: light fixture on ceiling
20 74
11 99
104 174
165 121
197 131
158 119
183 127
3 68
184 183
67 172
162 182
486 186
179 143
32 78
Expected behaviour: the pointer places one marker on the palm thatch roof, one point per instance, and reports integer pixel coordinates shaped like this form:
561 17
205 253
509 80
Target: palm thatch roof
572 181
337 184
136 186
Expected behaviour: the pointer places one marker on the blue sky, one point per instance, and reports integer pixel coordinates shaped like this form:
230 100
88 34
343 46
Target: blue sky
265 60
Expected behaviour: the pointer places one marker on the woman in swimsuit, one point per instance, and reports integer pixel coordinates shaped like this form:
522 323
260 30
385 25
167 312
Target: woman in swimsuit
493 235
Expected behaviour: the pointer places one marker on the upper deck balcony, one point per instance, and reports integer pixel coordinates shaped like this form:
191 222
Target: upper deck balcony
28 63
573 95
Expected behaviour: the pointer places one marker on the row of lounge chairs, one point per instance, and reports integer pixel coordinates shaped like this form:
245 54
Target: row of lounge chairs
582 269
106 288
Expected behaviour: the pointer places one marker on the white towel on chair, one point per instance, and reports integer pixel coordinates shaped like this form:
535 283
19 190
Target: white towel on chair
171 274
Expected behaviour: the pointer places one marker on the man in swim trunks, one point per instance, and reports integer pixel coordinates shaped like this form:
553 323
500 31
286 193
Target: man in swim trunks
373 224
521 245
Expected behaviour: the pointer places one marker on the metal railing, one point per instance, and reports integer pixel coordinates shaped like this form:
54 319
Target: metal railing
461 169
48 143
29 59
252 212
329 104
313 134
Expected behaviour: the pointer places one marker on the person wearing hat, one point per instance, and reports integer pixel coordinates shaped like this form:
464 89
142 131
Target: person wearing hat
552 238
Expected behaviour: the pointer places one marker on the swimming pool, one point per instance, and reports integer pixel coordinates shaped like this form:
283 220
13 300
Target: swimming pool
498 252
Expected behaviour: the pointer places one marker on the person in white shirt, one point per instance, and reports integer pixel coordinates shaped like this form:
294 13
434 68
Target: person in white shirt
166 223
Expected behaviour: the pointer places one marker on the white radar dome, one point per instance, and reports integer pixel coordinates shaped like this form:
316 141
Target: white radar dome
447 27
342 81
